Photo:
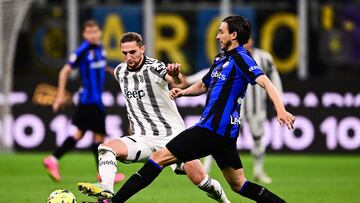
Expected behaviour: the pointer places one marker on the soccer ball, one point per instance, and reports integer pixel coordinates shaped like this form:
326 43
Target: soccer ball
61 196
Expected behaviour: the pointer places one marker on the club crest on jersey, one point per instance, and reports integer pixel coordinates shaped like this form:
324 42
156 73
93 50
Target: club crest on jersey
141 78
235 121
217 74
91 55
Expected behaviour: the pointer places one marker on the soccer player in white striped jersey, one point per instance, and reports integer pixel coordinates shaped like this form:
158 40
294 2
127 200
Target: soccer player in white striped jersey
154 119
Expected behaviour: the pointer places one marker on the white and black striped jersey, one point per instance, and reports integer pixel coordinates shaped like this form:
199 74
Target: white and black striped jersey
149 108
255 99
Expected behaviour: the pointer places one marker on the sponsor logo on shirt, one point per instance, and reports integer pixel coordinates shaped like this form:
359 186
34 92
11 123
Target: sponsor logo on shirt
217 74
137 94
252 68
98 64
235 121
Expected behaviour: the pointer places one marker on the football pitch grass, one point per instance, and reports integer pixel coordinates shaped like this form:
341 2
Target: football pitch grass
297 178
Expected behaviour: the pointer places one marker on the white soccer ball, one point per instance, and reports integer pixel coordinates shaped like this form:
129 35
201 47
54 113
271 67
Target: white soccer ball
61 196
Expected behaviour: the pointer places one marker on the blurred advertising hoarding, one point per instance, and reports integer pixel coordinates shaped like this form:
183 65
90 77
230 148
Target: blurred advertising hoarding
328 118
187 36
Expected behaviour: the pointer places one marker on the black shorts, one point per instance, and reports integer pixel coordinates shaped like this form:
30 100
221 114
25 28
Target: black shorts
197 142
89 117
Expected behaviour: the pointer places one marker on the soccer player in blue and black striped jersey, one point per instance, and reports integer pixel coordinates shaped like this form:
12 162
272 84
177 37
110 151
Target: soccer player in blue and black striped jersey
90 59
216 132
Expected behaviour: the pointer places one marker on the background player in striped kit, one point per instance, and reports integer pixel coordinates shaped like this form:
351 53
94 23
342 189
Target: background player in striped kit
154 119
255 108
90 58
217 130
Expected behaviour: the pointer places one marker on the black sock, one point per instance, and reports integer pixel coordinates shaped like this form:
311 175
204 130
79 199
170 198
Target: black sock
259 194
94 149
68 144
138 181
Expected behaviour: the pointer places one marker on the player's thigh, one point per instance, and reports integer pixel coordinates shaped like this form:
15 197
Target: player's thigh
235 177
138 148
227 155
192 143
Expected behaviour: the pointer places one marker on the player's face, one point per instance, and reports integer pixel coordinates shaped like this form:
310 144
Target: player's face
133 53
224 37
92 34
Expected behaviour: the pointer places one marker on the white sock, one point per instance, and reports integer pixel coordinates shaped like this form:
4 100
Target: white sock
258 152
107 167
213 189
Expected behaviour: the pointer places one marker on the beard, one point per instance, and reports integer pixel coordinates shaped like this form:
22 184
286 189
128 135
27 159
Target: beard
226 45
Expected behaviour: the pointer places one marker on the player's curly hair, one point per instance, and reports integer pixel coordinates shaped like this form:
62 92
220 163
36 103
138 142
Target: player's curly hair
131 37
241 26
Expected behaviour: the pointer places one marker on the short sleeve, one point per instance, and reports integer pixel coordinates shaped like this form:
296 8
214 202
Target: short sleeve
116 72
248 67
160 69
207 78
75 57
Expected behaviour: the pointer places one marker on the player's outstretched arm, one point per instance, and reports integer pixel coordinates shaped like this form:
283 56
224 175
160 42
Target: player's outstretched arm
283 116
60 96
194 90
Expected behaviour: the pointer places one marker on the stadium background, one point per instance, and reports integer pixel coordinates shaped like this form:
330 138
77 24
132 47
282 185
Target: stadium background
317 54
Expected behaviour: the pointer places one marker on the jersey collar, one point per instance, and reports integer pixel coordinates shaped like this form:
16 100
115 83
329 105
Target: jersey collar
232 51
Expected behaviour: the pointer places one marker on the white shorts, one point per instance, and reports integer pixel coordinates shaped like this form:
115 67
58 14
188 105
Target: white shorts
140 148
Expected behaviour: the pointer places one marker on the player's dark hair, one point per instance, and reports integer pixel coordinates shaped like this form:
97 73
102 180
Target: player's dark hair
132 37
241 26
89 23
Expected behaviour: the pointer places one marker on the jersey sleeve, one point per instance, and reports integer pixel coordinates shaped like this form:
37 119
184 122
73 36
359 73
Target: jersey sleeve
158 71
207 77
248 67
116 72
76 56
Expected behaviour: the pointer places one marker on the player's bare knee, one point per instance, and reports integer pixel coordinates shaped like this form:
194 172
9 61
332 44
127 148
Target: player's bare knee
115 146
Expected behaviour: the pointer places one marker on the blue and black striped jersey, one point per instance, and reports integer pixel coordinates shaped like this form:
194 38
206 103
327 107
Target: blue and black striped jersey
91 60
227 81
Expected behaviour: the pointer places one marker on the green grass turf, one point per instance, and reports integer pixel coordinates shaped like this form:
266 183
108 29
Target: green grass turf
297 178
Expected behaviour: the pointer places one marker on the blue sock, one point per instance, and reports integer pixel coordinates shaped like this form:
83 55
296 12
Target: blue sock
258 193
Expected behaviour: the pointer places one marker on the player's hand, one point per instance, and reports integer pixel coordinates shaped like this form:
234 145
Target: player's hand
176 92
286 118
58 103
173 69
